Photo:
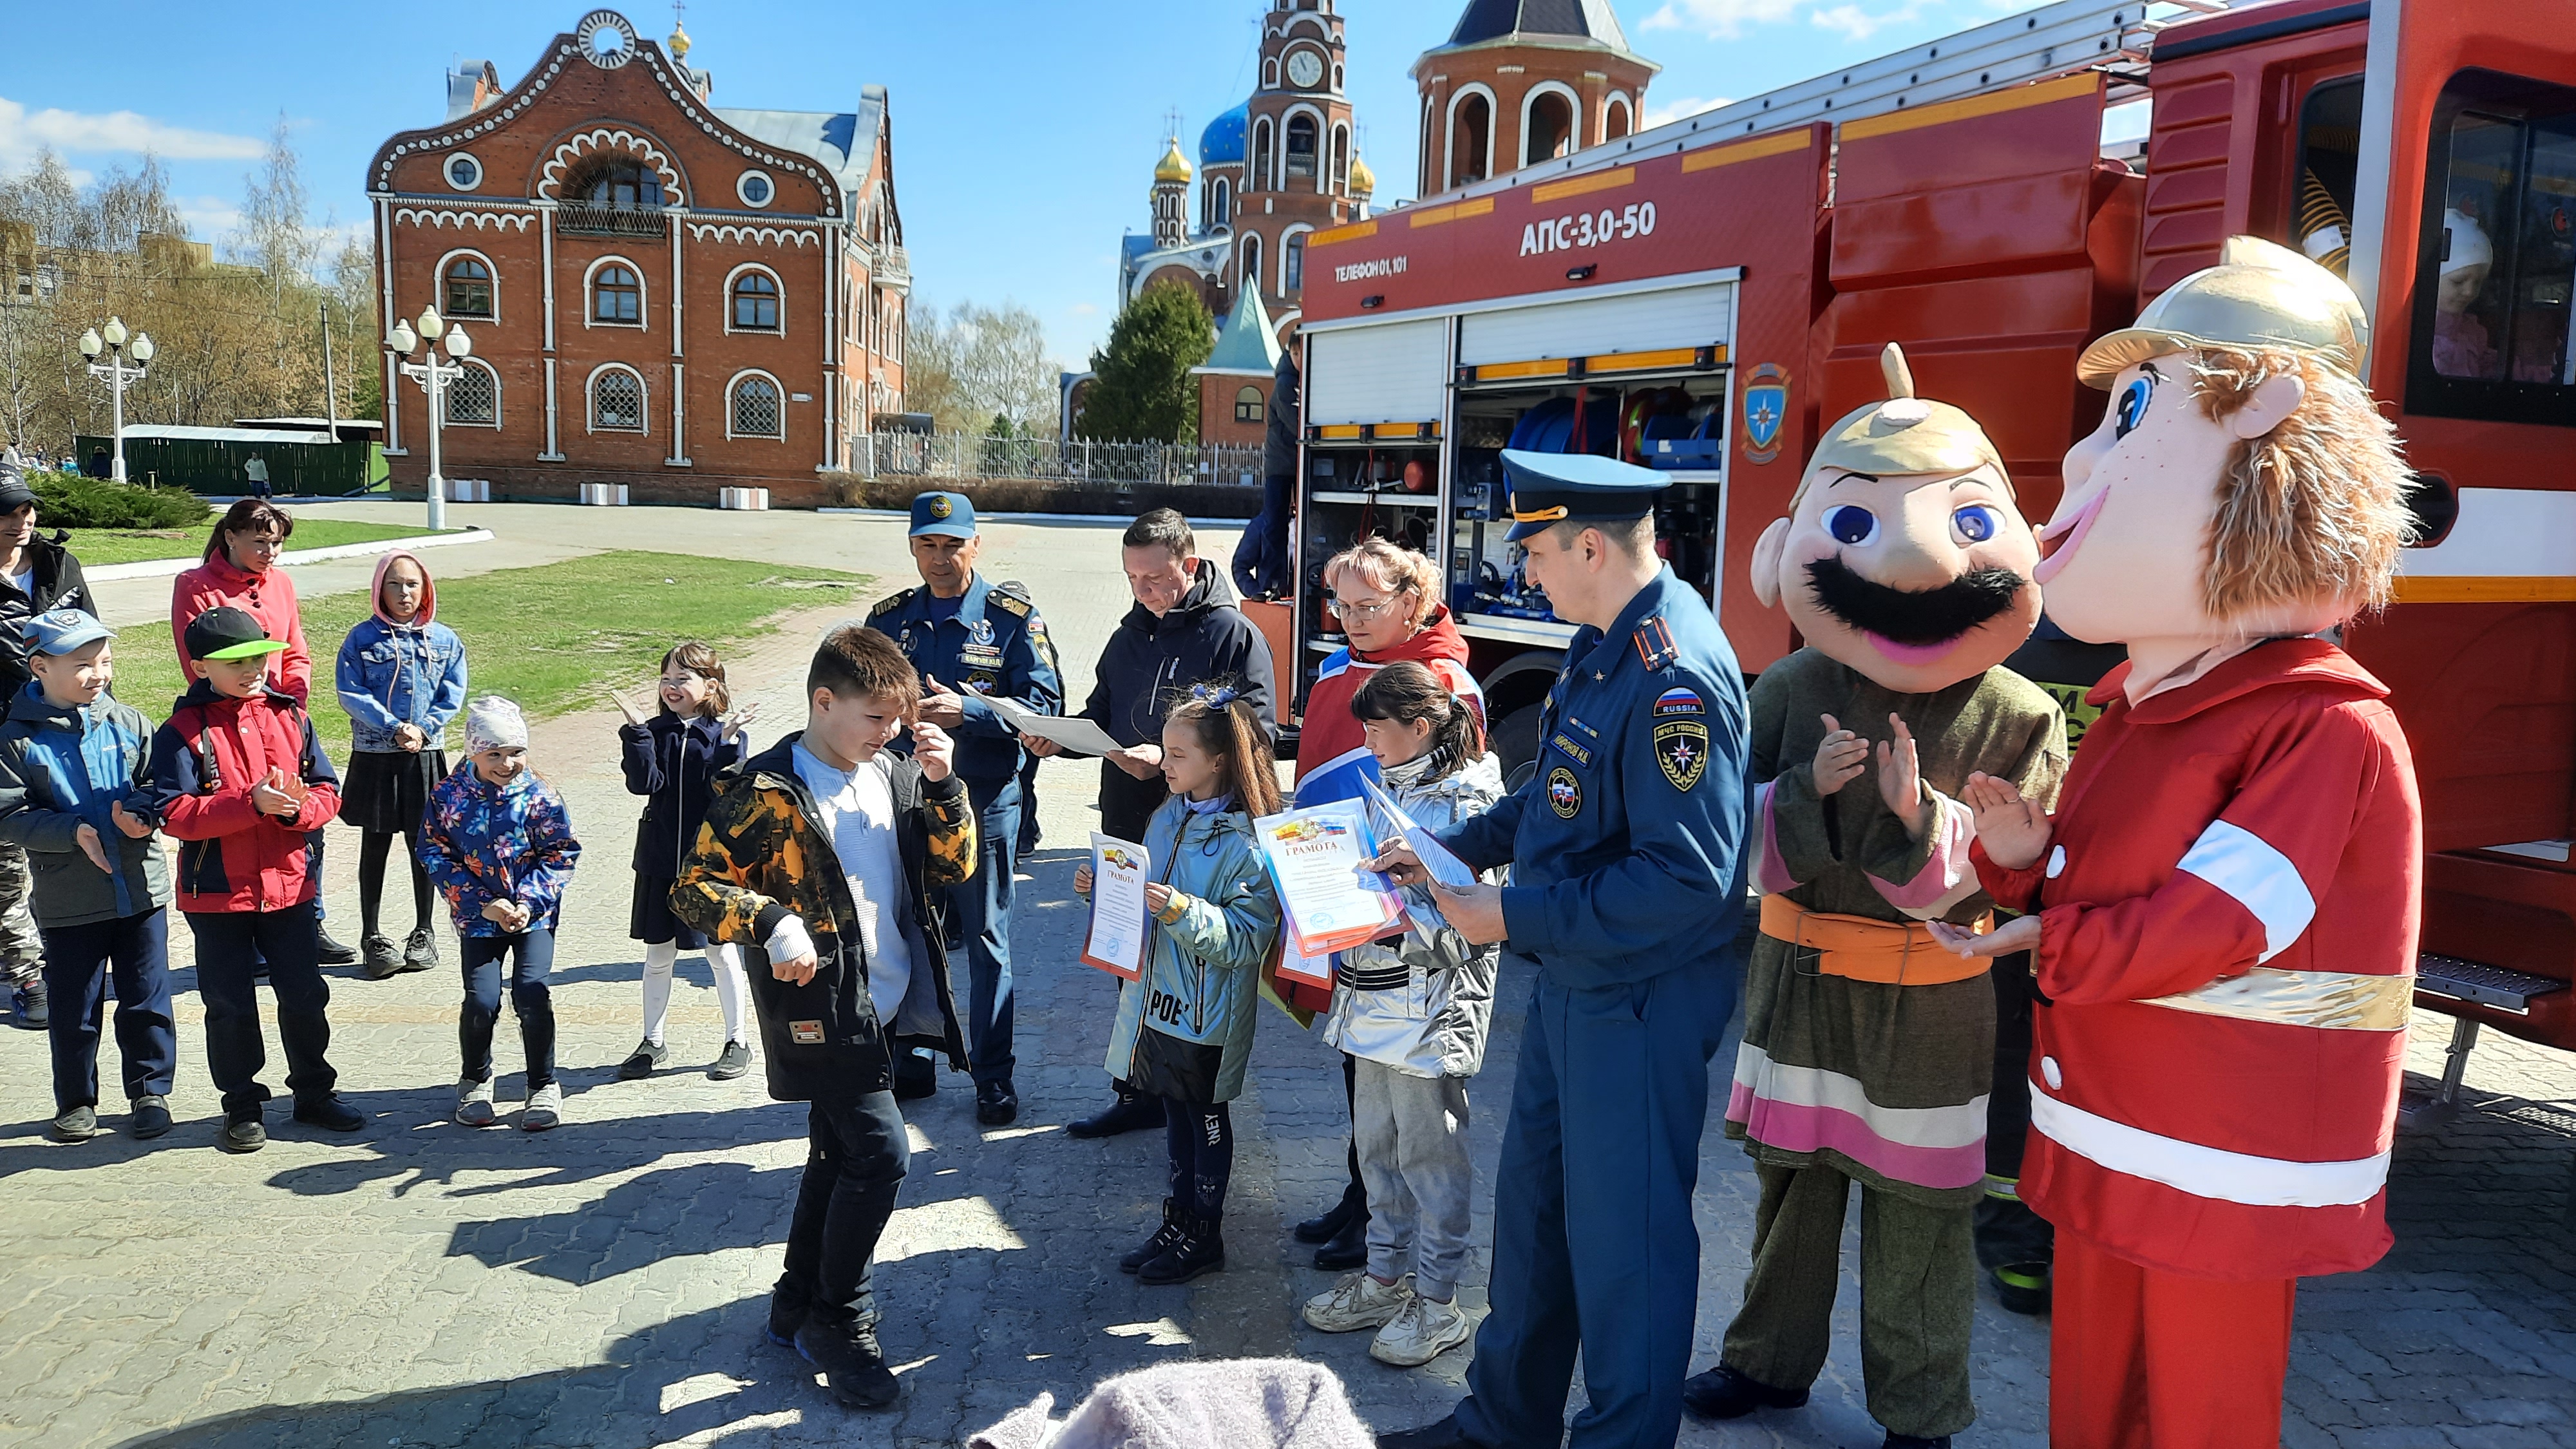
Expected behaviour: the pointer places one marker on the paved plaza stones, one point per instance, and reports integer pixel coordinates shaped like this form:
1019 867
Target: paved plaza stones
423 1283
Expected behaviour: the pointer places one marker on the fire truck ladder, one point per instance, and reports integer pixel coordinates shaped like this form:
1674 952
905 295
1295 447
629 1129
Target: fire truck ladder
2111 36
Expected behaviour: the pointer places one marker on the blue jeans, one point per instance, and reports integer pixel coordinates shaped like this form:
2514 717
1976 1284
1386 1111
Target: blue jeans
980 909
134 952
1261 555
230 946
534 950
1594 1249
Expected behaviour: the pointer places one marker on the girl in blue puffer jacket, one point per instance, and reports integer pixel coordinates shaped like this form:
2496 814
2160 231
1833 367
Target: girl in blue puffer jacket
401 677
1184 1026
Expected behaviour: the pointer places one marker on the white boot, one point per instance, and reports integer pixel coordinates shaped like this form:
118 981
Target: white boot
1358 1301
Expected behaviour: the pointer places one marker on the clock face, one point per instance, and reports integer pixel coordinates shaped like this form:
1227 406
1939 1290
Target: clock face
1305 68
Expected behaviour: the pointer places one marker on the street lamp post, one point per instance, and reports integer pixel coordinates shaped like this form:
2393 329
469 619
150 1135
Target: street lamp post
111 344
433 375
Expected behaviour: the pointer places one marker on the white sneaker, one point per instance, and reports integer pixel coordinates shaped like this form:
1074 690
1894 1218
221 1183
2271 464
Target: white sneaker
1423 1331
544 1109
474 1102
1358 1301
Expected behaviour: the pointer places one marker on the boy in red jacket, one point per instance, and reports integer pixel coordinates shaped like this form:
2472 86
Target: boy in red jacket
239 779
2225 902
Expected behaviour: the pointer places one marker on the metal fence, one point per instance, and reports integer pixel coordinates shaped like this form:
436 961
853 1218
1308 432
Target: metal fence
963 456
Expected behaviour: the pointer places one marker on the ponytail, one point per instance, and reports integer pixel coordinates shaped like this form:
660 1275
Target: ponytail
1408 692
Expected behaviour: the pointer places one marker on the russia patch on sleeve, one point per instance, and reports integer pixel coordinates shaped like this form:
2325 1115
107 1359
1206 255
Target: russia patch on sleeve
1679 702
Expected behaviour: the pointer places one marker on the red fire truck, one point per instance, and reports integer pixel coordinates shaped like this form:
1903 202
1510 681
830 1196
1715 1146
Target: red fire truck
1705 295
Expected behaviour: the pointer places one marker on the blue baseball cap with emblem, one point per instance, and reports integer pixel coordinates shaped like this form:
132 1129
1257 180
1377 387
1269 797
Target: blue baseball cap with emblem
1552 488
951 514
62 631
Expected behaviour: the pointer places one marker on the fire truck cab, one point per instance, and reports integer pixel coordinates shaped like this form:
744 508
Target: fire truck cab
1701 297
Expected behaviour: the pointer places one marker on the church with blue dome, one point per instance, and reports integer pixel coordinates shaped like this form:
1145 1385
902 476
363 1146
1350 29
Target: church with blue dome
1232 224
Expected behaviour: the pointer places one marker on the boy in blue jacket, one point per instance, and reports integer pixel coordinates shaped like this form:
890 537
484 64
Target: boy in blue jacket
75 778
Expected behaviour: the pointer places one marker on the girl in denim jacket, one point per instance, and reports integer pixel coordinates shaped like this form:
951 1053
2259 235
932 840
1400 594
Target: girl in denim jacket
401 678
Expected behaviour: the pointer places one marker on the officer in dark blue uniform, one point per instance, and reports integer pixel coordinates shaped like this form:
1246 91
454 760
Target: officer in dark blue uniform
972 642
1627 862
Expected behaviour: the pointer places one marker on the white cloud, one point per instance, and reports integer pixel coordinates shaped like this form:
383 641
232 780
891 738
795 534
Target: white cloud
23 133
1662 112
209 218
1720 19
1859 24
1084 309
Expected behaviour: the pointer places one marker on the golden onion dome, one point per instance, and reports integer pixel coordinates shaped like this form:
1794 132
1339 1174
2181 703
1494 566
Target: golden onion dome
1175 166
1363 180
678 45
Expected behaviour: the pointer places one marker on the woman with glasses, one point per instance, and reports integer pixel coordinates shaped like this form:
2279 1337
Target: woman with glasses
240 570
1386 601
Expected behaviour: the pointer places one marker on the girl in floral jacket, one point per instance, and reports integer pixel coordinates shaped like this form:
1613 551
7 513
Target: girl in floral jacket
499 846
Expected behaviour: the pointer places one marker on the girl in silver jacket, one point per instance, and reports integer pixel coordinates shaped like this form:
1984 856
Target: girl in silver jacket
1414 1012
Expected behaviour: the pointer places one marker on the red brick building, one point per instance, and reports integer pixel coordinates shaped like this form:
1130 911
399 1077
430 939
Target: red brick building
661 292
1522 81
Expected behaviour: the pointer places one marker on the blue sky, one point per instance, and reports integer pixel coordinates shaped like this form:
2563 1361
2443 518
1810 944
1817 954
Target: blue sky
1026 131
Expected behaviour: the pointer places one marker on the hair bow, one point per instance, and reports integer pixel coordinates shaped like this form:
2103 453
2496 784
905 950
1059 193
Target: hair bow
1214 696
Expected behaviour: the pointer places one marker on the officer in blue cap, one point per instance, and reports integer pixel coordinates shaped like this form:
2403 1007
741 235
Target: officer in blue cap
973 642
1627 858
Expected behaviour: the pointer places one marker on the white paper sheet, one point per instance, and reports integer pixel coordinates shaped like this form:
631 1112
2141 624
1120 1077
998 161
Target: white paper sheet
1119 870
1080 736
1443 864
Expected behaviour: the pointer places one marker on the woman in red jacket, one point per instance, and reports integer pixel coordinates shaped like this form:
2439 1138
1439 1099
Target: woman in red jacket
240 570
1387 601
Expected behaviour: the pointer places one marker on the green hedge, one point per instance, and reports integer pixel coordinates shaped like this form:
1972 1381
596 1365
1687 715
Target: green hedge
69 500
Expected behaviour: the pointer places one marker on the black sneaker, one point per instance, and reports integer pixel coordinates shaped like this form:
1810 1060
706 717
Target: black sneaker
27 1005
915 1076
1722 1393
379 958
75 1124
332 952
243 1131
786 1315
151 1118
854 1368
329 1112
1166 1238
1200 1250
732 1062
648 1055
1130 1111
996 1104
420 950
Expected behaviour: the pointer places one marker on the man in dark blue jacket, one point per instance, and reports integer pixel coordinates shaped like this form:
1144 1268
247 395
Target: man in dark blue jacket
974 643
1627 858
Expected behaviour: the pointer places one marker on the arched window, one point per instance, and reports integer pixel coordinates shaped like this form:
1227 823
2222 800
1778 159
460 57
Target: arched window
1248 405
753 410
1617 121
473 398
1251 255
616 401
617 296
1341 160
1301 147
1221 208
755 302
1471 128
619 181
1292 265
1261 154
469 288
1270 75
1548 128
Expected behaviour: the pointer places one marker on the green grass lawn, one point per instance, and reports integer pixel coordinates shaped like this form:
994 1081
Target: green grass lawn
547 637
127 545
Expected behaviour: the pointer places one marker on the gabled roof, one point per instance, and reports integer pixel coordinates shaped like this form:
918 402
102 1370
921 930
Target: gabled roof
1574 19
844 141
1248 343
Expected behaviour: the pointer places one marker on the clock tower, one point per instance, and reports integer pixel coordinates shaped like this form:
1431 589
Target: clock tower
1299 153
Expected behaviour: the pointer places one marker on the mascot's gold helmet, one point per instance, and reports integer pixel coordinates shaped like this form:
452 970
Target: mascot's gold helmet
2259 295
1905 434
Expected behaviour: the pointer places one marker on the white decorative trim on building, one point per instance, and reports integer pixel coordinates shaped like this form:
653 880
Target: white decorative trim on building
766 235
634 141
462 217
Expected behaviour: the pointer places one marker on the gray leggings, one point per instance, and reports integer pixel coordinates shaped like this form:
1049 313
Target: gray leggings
1412 1138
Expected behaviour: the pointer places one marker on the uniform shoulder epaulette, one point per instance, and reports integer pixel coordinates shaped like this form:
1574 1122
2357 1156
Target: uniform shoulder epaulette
1654 639
892 602
1009 603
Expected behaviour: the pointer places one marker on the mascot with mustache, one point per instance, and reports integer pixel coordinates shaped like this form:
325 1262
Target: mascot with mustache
2226 897
1868 1049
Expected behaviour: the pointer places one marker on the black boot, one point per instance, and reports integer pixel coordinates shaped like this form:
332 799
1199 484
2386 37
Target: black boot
1200 1250
1913 1441
1722 1393
1327 1225
1131 1110
1167 1237
1349 1247
333 953
2022 1287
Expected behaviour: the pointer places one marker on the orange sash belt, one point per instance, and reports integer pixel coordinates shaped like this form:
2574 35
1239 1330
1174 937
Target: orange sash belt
1862 949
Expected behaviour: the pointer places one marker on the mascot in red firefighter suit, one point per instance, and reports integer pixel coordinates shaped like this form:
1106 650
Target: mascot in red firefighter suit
1868 1050
2225 899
